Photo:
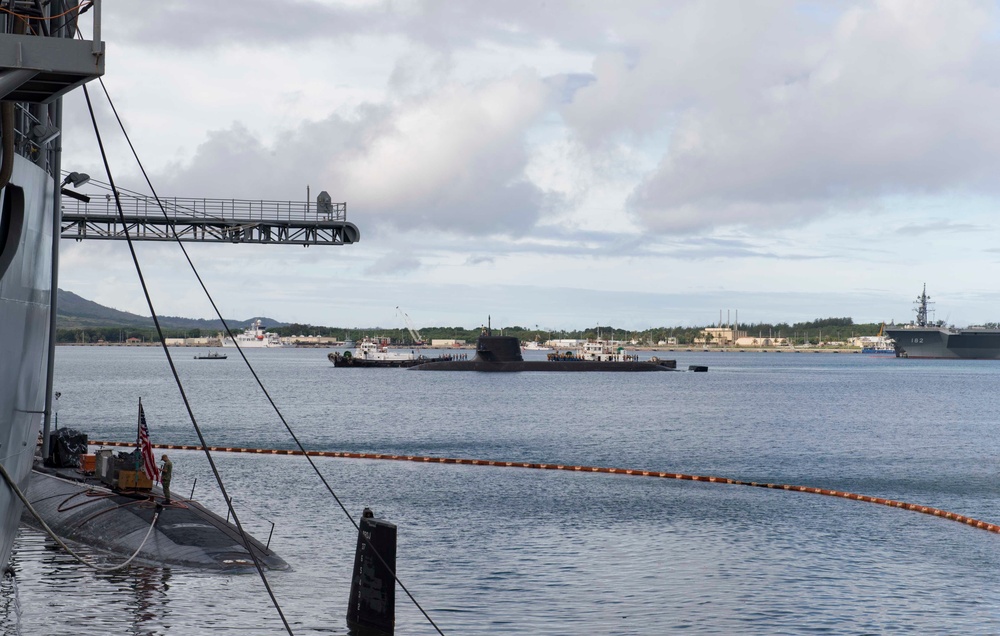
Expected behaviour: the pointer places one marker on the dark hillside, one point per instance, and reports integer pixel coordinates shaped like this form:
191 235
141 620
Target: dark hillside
76 312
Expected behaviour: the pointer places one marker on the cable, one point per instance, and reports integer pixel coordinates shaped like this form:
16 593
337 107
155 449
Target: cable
173 368
250 367
34 513
83 6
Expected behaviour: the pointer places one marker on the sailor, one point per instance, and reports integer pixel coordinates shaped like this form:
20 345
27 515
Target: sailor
166 472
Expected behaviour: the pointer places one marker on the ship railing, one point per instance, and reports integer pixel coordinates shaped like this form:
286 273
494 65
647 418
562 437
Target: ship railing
26 140
140 207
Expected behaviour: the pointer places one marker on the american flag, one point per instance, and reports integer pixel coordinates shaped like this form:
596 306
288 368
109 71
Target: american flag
148 461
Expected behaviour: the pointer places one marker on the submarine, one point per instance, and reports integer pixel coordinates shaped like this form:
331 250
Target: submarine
503 354
95 500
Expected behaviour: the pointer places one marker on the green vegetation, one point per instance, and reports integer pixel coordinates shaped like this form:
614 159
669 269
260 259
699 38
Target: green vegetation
83 321
830 329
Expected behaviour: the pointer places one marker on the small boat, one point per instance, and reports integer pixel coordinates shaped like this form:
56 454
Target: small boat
880 345
535 345
212 355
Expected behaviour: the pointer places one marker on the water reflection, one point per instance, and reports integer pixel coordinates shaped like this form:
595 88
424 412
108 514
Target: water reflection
135 598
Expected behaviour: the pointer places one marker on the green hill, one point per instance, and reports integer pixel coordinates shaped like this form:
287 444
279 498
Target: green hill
75 312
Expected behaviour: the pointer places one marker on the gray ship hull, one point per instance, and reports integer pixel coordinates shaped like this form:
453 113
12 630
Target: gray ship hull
39 61
941 343
25 284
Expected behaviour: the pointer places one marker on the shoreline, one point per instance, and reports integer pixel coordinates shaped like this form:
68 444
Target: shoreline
841 350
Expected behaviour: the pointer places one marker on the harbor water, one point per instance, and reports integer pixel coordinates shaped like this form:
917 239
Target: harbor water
497 550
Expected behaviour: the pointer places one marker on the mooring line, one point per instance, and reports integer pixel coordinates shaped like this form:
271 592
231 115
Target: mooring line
634 472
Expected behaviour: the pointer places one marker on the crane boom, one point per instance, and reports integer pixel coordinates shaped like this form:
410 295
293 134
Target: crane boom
417 338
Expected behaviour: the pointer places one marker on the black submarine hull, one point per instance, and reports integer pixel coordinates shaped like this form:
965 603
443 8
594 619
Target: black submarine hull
544 365
186 534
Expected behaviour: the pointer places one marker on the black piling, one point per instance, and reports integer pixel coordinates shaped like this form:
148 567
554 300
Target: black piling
371 609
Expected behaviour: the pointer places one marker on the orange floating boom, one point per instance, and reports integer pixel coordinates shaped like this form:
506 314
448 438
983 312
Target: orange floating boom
892 503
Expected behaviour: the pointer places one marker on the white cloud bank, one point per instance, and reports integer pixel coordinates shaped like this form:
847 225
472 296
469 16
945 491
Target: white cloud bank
528 141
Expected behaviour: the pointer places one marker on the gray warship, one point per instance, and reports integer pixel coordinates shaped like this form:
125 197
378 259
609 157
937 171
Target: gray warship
923 339
40 61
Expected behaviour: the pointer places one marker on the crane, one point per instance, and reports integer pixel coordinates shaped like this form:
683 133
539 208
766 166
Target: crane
417 338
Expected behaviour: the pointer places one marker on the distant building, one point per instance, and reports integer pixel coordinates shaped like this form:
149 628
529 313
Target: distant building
192 342
310 340
447 342
566 343
761 342
720 336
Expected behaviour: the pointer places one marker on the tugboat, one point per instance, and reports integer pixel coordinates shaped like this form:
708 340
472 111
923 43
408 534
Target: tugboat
375 353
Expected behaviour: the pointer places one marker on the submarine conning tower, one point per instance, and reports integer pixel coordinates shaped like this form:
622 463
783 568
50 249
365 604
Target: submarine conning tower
498 349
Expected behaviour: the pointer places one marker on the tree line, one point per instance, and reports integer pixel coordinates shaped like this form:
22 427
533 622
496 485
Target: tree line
811 332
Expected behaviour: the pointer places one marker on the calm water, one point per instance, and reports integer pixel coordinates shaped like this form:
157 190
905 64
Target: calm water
500 550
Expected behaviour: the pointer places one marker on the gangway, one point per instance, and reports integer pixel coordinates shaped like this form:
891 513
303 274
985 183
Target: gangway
90 216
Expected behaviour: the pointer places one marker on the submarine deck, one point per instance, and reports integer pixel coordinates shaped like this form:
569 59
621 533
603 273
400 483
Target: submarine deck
81 509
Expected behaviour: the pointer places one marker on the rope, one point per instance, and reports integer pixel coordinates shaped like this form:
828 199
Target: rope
34 513
173 369
239 349
632 472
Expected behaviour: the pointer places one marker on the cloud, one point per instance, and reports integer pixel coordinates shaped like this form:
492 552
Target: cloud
451 160
774 116
393 264
766 115
938 228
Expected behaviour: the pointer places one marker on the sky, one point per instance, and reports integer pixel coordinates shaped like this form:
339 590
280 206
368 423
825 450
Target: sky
561 164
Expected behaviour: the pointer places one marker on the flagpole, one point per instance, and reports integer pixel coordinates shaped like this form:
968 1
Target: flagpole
138 434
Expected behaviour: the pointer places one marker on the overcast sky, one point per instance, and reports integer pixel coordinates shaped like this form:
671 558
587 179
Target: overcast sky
562 163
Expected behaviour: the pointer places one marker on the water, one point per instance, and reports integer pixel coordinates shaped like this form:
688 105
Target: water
514 551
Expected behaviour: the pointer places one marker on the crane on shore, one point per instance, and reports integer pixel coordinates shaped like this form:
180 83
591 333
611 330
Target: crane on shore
417 338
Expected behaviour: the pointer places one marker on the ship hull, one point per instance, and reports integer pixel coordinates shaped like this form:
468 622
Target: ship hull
340 360
25 293
940 343
186 533
546 365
